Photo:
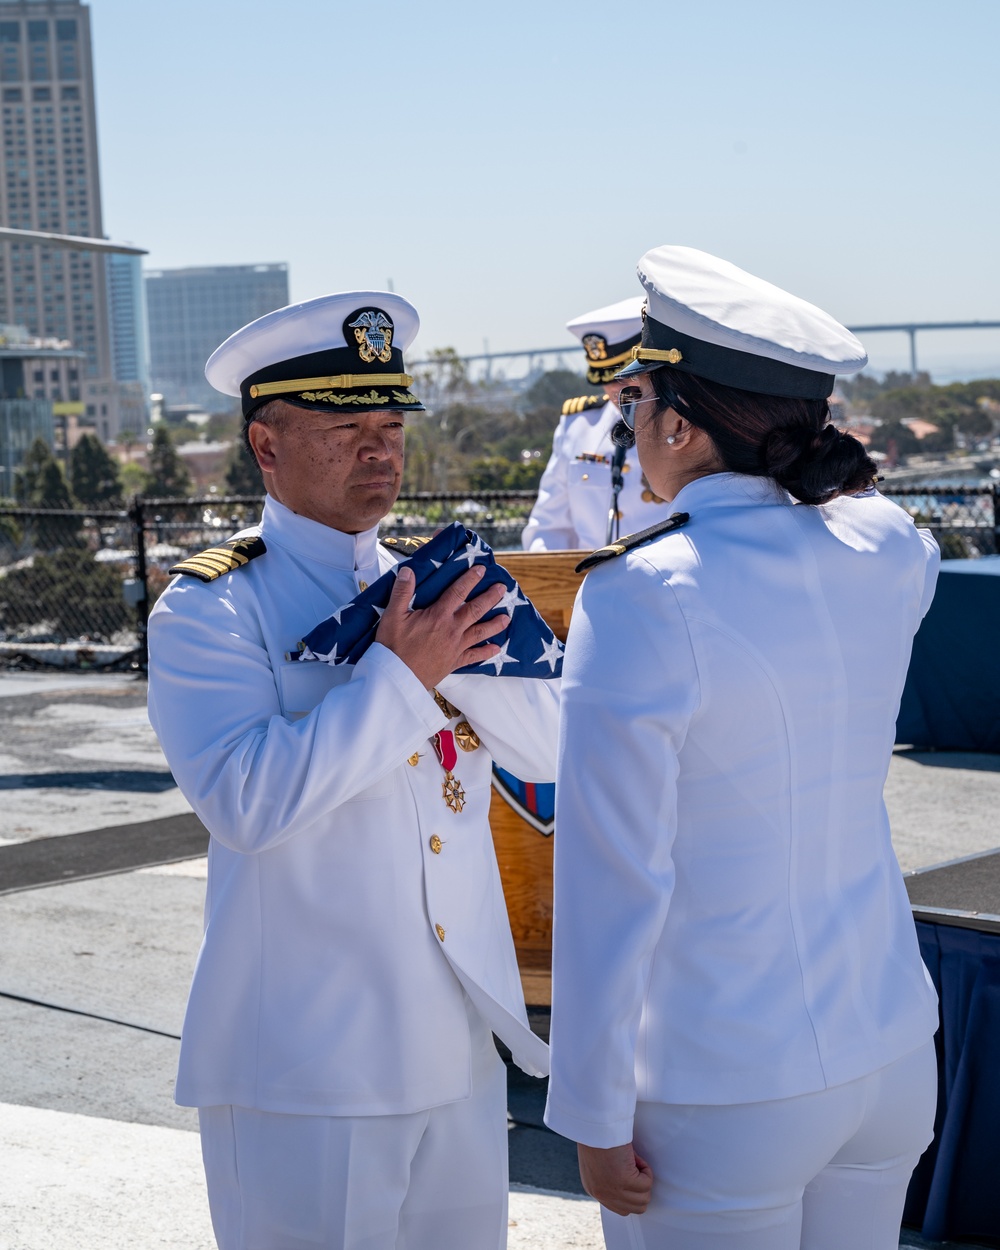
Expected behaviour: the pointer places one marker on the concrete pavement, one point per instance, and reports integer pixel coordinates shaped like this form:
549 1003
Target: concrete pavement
94 1151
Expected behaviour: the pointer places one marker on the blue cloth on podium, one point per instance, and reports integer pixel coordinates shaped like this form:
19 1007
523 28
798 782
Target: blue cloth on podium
950 698
954 1193
528 648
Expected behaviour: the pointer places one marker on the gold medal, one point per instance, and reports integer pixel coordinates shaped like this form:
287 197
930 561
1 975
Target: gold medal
466 736
452 791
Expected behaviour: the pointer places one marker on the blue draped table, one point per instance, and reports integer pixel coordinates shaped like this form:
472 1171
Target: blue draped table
955 1191
952 695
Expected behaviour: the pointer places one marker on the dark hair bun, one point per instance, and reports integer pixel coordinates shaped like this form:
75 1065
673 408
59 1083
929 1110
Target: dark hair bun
814 466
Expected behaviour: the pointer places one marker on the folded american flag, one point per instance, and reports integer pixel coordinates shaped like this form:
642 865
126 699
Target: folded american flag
528 648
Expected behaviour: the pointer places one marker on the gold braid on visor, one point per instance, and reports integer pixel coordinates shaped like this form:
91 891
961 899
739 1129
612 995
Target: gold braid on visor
671 357
338 381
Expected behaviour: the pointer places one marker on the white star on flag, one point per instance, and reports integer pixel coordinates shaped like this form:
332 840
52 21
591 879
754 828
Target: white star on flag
477 547
512 599
551 653
501 658
472 552
329 657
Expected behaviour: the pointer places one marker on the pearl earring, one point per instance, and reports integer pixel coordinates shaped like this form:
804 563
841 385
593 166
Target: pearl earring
671 438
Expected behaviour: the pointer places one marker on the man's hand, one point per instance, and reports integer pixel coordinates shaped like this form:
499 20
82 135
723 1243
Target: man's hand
617 1178
435 640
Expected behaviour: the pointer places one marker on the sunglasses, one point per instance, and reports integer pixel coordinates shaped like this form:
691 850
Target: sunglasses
629 398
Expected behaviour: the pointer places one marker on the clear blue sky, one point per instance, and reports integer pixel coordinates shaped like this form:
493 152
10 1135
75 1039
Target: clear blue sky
506 165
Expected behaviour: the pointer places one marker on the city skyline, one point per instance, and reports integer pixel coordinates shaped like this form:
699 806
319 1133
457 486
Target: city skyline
52 184
505 172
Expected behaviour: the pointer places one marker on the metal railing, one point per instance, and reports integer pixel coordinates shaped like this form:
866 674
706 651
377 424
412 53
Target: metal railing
85 580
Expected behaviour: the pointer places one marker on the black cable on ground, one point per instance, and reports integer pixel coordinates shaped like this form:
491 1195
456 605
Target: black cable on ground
91 1015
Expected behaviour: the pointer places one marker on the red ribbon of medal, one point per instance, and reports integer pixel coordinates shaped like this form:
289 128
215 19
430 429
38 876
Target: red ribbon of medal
451 788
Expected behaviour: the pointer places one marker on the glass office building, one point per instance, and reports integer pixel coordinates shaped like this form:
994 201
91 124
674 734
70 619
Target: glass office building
191 311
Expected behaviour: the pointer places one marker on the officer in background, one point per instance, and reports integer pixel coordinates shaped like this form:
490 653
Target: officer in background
357 956
576 505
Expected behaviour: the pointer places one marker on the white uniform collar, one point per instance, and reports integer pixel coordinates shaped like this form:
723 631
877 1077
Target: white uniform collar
284 528
728 490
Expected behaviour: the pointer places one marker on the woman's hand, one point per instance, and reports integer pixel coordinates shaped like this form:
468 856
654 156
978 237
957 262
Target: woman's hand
618 1178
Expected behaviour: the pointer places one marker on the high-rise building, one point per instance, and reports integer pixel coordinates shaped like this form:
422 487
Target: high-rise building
191 311
51 183
129 341
22 420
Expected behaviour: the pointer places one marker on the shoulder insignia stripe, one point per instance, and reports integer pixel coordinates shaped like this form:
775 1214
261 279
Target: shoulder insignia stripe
406 545
583 403
631 541
225 558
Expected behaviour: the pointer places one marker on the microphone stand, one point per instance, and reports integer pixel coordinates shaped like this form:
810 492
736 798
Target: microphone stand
617 481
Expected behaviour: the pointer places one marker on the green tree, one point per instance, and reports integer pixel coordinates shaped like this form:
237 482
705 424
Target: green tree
10 537
40 481
134 480
66 591
242 474
168 476
499 473
224 425
892 435
93 473
552 389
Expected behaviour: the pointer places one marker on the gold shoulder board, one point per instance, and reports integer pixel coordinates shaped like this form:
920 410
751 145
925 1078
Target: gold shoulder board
405 546
582 403
226 558
631 541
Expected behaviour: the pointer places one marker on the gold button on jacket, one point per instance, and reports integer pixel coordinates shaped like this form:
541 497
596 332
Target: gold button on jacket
436 844
439 931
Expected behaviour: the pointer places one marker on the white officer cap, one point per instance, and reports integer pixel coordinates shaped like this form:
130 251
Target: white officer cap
340 352
710 318
608 336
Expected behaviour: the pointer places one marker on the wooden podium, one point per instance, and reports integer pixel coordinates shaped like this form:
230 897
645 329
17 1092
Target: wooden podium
523 854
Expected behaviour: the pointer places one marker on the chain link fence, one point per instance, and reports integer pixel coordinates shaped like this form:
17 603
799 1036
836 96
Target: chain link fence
76 586
965 520
62 585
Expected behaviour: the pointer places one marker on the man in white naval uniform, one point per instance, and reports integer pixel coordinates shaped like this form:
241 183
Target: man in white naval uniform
575 495
357 952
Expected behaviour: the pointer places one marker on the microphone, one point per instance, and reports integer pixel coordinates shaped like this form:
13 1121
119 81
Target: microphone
623 437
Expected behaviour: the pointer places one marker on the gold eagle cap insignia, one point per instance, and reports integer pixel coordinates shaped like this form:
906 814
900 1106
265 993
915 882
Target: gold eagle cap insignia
596 346
373 335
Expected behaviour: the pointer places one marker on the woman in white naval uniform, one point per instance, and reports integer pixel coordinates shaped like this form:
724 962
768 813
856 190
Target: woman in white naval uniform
575 495
742 1025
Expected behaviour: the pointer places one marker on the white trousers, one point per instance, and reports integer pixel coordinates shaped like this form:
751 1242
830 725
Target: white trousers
433 1180
824 1171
